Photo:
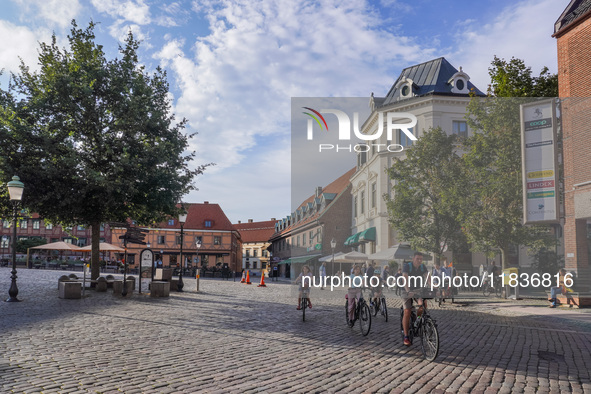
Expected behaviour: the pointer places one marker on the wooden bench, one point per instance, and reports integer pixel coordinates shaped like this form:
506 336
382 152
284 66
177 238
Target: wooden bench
573 299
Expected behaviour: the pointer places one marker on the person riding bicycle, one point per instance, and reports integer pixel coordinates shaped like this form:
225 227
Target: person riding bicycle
304 286
354 292
376 291
415 273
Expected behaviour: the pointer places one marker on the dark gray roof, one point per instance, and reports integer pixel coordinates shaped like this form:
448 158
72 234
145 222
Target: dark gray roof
572 12
431 77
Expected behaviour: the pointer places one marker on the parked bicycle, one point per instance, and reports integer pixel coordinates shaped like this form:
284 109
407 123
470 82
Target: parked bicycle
487 289
424 327
361 313
379 306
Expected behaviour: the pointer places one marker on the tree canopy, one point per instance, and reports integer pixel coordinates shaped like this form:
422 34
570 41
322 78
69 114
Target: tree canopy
425 209
492 216
93 139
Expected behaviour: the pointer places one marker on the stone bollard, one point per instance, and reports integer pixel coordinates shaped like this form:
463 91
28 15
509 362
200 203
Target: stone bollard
63 278
70 290
117 287
159 289
101 284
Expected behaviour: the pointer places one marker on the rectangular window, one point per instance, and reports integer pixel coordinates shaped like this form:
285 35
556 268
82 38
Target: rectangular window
178 239
55 240
311 237
255 252
171 222
102 227
68 240
217 240
355 207
362 202
5 223
298 241
405 139
24 223
304 239
208 223
374 194
5 241
81 242
80 228
460 128
161 240
36 224
199 240
247 253
265 253
49 226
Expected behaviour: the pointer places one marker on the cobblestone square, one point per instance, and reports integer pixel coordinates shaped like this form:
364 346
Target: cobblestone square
232 337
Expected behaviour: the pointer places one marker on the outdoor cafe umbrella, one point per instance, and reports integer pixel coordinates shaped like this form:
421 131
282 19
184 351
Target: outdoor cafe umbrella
350 257
61 246
104 247
401 251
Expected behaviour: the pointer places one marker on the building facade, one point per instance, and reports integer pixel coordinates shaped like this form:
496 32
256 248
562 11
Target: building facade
206 225
572 31
255 241
34 226
437 94
305 235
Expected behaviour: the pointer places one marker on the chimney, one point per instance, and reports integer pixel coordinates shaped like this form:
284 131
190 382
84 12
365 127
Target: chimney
206 202
249 220
273 219
239 222
318 191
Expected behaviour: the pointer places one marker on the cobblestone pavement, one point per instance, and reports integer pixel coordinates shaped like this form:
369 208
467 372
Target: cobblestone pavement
237 338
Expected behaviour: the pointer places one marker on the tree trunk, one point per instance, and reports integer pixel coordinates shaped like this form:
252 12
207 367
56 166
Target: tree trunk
95 265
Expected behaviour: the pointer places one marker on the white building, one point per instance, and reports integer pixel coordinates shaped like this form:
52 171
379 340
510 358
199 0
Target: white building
437 94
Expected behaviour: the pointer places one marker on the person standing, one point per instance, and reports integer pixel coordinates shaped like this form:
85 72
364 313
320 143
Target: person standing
396 276
560 289
322 273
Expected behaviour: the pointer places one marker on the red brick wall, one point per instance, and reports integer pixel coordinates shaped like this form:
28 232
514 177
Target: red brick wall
574 84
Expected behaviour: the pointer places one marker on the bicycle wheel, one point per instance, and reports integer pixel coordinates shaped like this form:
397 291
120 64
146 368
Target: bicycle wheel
429 339
364 318
304 305
384 308
374 308
486 290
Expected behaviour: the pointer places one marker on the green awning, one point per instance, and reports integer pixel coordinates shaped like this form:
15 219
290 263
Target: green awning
299 259
368 235
362 236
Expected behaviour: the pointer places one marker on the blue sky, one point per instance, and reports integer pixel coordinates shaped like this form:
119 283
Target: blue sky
234 65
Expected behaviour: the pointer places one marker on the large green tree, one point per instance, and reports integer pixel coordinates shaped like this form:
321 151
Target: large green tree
493 206
425 207
93 139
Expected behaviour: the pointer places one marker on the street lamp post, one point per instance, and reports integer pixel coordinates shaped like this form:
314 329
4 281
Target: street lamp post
333 245
15 189
182 220
198 246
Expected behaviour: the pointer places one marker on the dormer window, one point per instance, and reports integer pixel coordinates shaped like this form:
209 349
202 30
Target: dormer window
406 88
208 223
405 91
459 82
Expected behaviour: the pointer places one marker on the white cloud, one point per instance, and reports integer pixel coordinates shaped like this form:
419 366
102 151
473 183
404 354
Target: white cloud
515 32
236 88
135 11
20 41
57 12
119 30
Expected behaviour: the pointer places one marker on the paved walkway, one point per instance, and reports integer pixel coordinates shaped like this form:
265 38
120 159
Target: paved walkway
237 338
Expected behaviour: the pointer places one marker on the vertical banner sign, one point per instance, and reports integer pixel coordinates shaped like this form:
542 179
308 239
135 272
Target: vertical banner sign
146 267
539 162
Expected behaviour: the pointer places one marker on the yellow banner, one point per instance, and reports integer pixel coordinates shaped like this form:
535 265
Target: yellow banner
540 174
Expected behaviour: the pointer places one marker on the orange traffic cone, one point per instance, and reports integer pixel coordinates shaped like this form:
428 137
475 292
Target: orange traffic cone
262 284
248 278
243 277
